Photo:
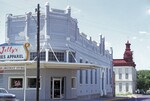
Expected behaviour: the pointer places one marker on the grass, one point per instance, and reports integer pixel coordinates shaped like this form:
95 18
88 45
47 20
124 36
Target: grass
123 94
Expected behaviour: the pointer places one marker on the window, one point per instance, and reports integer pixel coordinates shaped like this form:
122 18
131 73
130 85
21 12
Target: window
126 73
31 82
81 61
43 56
120 87
81 76
73 82
33 56
16 83
120 76
91 76
95 76
103 81
81 80
127 87
51 56
107 77
86 76
59 55
71 57
110 76
127 76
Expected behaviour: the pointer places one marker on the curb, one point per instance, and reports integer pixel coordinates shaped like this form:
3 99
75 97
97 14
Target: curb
116 99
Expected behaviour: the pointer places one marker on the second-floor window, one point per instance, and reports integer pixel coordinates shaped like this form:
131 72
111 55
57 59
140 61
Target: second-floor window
33 56
127 76
59 55
81 61
71 57
120 76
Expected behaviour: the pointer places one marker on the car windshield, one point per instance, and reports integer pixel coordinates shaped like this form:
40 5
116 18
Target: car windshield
3 91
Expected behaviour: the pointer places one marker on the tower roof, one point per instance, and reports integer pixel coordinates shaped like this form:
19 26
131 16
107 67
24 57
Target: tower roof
127 59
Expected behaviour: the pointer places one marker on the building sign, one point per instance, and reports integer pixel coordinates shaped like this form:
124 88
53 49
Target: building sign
12 67
14 52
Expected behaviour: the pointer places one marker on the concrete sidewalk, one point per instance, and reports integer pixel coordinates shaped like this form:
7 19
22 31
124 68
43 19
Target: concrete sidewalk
115 99
119 98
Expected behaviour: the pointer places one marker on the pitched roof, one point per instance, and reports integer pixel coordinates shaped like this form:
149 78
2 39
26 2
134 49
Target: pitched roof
127 59
122 62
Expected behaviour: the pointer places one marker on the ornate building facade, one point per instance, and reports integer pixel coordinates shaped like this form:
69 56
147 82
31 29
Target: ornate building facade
72 66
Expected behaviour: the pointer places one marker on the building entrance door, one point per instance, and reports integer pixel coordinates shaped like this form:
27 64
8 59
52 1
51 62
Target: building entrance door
57 87
56 92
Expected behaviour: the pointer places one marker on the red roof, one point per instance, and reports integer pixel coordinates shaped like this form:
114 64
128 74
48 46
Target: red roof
127 59
122 62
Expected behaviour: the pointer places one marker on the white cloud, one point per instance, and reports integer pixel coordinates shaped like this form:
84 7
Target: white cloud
144 33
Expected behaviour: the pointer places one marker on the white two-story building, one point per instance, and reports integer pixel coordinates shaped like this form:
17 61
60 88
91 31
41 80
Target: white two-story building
125 73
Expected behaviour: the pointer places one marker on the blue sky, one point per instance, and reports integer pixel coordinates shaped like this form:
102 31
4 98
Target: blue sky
117 20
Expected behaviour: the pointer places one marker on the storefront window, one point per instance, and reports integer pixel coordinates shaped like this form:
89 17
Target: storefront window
16 82
31 82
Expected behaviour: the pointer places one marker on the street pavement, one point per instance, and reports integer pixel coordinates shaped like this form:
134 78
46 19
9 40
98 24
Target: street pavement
134 97
89 99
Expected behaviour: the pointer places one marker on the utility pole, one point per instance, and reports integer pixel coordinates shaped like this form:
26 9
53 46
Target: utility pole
38 53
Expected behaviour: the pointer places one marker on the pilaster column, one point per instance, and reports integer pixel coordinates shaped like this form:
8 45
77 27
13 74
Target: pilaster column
47 51
46 20
67 55
28 15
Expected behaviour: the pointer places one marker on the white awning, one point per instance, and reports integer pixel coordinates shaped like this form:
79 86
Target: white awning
57 65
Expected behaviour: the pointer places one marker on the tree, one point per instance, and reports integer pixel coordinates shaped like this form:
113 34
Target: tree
143 79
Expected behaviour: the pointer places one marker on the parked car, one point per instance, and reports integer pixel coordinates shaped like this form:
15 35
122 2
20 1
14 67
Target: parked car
5 96
140 91
148 91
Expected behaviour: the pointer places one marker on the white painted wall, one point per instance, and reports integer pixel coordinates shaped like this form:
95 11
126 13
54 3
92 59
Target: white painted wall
63 33
131 79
